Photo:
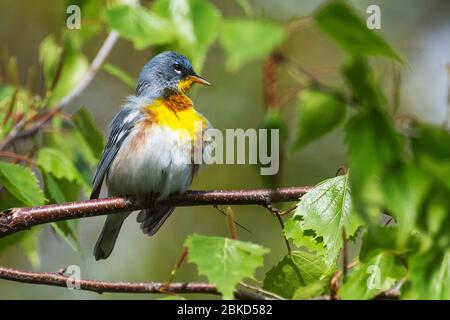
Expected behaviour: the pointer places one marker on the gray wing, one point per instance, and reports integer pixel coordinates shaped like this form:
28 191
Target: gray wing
119 129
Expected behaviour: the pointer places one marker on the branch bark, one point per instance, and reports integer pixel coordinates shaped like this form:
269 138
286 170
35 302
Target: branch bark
19 219
61 280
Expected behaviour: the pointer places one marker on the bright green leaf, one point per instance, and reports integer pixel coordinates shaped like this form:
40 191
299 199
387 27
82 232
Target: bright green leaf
206 20
54 162
74 69
49 56
319 113
327 210
224 261
196 24
404 189
373 148
52 189
86 126
246 7
349 31
381 273
295 272
90 21
431 146
359 76
139 25
312 290
67 230
430 275
379 240
21 183
247 40
30 244
293 230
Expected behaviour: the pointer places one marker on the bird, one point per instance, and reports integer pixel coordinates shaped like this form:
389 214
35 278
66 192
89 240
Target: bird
146 152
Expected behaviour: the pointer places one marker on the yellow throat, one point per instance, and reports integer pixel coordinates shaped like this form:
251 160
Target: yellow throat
176 112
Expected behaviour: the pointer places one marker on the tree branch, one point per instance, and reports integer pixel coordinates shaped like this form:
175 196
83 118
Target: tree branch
60 280
20 132
19 219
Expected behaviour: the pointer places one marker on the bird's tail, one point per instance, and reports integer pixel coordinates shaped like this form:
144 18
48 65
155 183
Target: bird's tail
152 220
108 236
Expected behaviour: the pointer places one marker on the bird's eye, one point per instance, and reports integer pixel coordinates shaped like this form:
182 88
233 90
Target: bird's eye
177 67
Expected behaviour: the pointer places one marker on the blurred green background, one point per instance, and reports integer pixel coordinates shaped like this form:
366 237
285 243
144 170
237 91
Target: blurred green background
418 29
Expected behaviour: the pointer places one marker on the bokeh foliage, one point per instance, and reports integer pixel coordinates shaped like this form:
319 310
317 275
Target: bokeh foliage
395 168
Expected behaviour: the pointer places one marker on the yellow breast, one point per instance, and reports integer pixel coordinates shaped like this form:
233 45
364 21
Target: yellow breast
177 113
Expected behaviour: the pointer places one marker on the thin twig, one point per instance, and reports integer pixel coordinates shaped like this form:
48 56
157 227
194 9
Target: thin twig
12 102
60 280
276 212
231 226
59 68
178 263
262 291
235 222
19 219
17 157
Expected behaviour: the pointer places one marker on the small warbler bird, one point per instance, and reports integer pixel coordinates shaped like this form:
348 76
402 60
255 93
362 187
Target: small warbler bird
146 152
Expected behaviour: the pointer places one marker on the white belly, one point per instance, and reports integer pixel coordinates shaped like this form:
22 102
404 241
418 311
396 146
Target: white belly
154 160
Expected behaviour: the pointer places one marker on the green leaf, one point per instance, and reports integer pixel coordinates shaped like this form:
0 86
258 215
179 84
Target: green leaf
49 56
88 130
21 183
196 24
120 74
74 69
319 113
224 261
381 273
246 7
359 76
52 189
373 148
27 240
30 244
379 240
404 189
206 19
67 230
293 230
430 275
382 258
326 210
295 272
90 21
312 290
432 152
349 31
139 25
247 40
12 240
54 162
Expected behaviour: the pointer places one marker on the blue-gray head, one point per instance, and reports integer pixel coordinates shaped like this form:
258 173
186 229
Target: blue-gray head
168 72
